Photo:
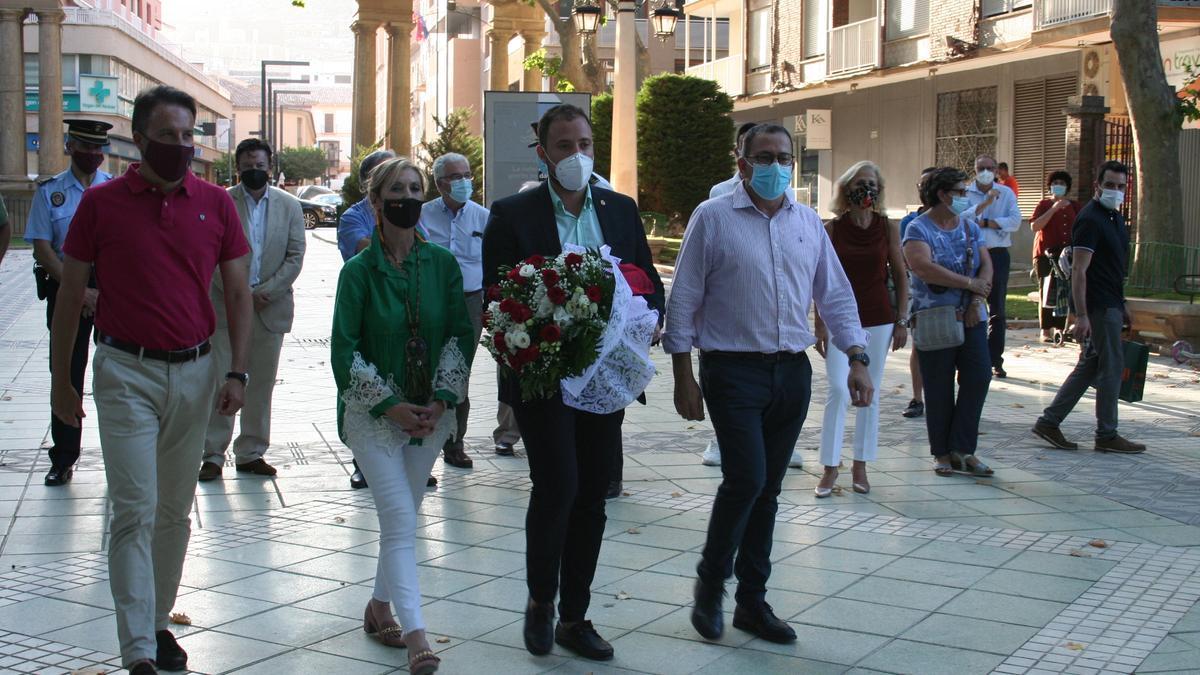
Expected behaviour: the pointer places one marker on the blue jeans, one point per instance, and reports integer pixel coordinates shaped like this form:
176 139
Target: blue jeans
1101 361
757 409
997 320
953 424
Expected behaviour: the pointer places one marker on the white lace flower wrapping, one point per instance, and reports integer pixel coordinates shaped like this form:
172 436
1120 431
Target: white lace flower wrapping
623 368
367 390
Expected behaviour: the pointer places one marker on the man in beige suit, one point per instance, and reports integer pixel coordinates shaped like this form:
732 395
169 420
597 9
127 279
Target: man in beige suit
274 225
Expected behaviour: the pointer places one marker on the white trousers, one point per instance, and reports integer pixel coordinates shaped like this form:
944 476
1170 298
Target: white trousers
151 421
397 480
866 424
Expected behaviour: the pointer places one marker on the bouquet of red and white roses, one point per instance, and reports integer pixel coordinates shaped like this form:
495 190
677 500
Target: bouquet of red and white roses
546 318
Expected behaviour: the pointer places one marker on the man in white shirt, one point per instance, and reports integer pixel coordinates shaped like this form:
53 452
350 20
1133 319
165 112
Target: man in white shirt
994 209
712 453
273 222
456 223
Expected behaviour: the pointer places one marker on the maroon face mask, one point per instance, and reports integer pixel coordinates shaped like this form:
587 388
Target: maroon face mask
169 162
87 162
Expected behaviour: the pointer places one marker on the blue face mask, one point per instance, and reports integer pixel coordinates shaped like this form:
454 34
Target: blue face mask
769 181
1058 189
461 189
959 204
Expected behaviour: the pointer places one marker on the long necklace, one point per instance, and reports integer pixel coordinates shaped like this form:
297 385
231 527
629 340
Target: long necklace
417 385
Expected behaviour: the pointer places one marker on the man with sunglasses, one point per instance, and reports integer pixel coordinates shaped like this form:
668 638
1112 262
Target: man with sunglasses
751 264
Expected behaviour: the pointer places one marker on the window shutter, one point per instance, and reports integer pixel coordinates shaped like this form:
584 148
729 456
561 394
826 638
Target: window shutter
815 13
906 18
1039 134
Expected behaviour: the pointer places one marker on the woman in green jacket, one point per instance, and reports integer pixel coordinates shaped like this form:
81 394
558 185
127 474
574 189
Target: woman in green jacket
402 348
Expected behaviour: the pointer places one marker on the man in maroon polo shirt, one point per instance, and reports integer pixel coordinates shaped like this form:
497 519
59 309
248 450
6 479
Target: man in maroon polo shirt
154 237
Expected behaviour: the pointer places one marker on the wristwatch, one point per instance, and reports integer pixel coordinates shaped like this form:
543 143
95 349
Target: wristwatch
903 322
244 378
861 357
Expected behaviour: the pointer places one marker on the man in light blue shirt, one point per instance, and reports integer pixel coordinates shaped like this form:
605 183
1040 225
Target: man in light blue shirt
723 188
54 206
454 222
358 222
994 209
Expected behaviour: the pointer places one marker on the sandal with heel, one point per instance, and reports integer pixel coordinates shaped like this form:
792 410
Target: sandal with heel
391 635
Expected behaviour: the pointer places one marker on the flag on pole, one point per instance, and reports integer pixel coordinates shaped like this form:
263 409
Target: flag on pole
422 30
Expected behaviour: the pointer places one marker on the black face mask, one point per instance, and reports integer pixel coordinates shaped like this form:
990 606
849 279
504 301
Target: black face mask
254 179
403 213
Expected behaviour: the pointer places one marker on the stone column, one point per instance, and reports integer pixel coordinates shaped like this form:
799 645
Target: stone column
12 97
624 124
531 80
399 104
1085 142
51 158
498 41
362 130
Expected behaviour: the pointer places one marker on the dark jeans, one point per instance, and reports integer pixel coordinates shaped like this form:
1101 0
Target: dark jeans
757 409
570 457
997 320
953 425
65 450
1046 318
1101 360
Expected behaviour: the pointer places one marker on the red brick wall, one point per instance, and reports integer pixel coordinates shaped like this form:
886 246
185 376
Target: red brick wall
955 18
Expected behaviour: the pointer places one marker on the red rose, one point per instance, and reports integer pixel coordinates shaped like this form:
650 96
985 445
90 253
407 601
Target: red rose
557 295
507 305
593 293
529 354
574 260
549 277
551 333
498 340
536 260
493 292
515 275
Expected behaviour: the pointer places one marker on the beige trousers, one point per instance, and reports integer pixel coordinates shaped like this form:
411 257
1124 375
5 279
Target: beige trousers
462 411
263 366
151 417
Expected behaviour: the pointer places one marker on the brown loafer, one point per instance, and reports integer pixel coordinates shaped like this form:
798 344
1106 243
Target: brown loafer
1120 445
456 457
258 467
1053 435
209 471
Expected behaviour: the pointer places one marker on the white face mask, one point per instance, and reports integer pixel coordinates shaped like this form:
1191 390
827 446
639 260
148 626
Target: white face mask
1112 199
985 177
573 172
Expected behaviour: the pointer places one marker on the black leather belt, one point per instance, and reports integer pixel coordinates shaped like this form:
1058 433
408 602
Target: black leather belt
170 356
773 357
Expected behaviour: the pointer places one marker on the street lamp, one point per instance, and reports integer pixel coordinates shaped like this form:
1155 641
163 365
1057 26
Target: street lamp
262 116
587 18
277 124
664 19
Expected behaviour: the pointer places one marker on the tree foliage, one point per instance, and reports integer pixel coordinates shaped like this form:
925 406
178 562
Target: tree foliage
684 127
551 67
302 163
454 135
352 190
222 172
602 109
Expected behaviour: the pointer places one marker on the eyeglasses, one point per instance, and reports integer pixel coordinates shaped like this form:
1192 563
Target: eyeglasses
451 177
960 193
763 158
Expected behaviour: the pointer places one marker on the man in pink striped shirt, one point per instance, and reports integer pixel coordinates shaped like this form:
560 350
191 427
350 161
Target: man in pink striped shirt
750 267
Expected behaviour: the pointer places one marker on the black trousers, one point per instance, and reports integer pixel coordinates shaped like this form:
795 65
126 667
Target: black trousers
757 409
997 319
570 461
66 438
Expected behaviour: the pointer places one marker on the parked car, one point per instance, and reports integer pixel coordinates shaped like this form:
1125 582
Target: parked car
318 213
312 191
334 200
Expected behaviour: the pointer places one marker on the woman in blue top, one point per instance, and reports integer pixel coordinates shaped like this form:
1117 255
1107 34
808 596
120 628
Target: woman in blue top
950 266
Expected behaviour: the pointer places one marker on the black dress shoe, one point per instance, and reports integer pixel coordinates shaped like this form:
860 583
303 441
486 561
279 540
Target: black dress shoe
614 489
258 467
170 655
583 639
504 449
539 627
59 475
707 618
357 480
432 482
209 471
999 372
457 457
760 619
145 667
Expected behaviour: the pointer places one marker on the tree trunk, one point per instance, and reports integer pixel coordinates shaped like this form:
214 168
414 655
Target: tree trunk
1154 112
587 76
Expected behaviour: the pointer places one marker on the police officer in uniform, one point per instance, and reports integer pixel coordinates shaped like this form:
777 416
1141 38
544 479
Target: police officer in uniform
53 207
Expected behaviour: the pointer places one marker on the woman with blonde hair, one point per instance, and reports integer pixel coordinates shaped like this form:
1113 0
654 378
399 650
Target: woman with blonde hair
402 348
868 246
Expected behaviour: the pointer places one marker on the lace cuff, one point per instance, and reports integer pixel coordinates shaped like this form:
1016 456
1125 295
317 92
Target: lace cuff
453 373
367 390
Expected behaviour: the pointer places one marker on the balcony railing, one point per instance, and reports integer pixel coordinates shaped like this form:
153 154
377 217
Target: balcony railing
1052 13
727 72
854 47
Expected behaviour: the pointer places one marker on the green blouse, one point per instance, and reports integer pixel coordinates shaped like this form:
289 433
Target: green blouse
370 331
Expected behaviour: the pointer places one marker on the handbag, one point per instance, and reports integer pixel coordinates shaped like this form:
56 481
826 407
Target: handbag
1133 374
942 327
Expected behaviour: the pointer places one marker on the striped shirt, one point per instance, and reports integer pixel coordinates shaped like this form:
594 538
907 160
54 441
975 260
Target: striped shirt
744 282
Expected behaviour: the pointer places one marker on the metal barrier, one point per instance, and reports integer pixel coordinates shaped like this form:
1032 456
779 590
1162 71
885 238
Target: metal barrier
17 203
1155 267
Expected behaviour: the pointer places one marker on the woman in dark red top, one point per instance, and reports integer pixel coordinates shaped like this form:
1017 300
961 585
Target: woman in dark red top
868 246
1051 223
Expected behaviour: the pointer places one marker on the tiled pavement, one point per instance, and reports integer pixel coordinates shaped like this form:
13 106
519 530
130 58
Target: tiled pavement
923 575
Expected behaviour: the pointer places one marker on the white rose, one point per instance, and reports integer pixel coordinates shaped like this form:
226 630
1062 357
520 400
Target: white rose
562 317
517 339
528 271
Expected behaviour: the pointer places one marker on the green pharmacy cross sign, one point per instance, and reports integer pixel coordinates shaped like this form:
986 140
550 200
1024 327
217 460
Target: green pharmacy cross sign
99 91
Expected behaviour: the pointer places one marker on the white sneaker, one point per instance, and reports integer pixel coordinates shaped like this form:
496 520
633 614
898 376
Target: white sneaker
712 455
797 462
